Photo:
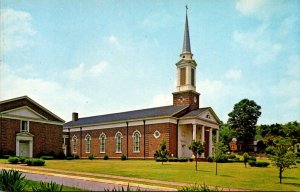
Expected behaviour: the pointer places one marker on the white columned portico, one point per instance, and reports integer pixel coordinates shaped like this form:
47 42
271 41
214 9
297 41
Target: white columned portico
194 132
210 142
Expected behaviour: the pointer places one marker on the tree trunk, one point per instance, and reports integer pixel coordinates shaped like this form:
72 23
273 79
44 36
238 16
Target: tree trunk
216 168
280 174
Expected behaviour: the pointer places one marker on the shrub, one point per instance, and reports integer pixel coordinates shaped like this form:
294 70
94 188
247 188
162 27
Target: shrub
297 161
12 180
6 156
61 155
258 164
191 159
47 187
123 157
69 158
47 157
122 189
252 158
210 159
223 159
35 162
183 159
159 159
76 156
231 156
22 159
173 159
198 187
13 160
105 157
91 157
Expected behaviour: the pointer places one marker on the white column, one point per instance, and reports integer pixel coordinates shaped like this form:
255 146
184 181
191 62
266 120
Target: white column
194 132
188 75
210 142
217 135
202 137
30 148
17 147
178 76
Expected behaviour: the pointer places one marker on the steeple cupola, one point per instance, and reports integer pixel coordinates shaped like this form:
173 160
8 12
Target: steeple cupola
186 74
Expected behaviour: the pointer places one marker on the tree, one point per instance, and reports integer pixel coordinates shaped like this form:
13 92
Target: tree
162 152
219 152
243 119
246 158
226 134
283 157
197 147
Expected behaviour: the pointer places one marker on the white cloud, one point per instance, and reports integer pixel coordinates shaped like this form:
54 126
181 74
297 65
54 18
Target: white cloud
233 74
248 7
82 71
16 29
162 100
114 41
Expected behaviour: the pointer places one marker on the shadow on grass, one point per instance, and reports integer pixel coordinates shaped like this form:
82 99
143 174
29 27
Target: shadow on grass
289 178
226 175
294 184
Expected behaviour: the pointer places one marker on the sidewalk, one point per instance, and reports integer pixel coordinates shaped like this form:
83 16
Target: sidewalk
110 179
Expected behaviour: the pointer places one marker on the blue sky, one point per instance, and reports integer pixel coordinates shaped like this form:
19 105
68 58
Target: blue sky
97 57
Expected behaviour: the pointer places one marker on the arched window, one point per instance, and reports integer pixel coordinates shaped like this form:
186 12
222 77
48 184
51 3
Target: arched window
102 139
87 143
118 142
74 144
136 141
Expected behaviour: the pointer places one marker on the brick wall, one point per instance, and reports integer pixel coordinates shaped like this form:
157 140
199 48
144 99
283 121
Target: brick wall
167 131
188 99
47 137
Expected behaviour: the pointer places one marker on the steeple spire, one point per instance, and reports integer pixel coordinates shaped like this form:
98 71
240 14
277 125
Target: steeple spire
186 41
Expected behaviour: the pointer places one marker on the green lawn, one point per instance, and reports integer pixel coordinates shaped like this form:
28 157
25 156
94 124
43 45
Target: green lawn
232 175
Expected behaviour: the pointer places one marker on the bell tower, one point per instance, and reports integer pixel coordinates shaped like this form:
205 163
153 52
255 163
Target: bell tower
185 93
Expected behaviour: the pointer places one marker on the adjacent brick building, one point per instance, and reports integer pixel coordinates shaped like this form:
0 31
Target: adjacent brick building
137 134
28 129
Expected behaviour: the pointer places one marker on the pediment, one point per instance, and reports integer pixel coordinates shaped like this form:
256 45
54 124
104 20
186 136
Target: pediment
209 115
24 112
24 134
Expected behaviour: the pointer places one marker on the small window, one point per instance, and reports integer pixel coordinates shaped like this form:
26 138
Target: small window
193 77
182 76
74 144
24 126
136 141
156 134
118 142
87 143
102 139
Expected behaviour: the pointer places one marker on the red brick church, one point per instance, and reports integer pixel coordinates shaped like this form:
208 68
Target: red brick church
137 134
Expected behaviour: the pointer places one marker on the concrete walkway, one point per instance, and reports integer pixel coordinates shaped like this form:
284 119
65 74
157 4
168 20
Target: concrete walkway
108 179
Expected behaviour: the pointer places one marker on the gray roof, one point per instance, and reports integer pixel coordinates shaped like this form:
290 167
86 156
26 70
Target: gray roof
186 40
129 115
195 112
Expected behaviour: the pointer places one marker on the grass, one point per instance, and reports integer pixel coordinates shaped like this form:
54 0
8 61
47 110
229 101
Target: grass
31 183
231 175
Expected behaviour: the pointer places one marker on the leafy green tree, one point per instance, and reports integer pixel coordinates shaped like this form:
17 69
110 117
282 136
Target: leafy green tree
197 147
246 158
226 134
283 157
292 130
243 119
162 152
218 153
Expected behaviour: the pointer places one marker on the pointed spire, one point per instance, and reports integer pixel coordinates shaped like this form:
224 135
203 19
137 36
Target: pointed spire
186 40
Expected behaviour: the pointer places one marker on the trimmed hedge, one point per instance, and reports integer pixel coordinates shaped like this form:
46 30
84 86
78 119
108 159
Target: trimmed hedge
210 159
105 157
183 159
13 160
123 157
35 162
258 164
173 159
47 157
159 159
91 157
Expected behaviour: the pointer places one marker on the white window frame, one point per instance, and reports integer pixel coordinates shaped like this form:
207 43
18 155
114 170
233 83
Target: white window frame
118 136
156 136
88 143
102 136
136 144
21 126
74 144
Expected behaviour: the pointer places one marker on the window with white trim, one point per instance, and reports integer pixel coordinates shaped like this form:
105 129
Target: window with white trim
24 126
136 141
118 142
74 144
87 143
102 139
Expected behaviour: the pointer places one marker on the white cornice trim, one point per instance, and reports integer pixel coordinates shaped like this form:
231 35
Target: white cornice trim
23 107
21 118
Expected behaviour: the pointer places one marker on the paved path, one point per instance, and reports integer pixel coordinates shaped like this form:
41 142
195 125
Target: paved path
108 179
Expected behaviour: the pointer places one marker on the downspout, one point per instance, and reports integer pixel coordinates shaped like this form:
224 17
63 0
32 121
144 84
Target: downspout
80 142
144 139
127 139
69 144
177 127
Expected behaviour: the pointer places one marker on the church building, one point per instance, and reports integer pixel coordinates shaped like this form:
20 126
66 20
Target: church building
137 134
